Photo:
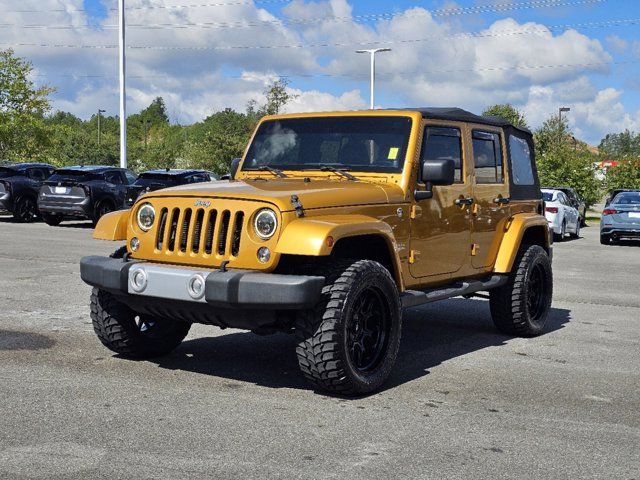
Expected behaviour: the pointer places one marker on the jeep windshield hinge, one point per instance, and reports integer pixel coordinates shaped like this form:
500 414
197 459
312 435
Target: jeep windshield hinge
295 201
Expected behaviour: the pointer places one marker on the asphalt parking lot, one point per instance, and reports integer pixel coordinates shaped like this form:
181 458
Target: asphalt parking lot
464 401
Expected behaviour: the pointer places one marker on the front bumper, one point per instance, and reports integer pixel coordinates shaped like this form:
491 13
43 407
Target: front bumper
232 289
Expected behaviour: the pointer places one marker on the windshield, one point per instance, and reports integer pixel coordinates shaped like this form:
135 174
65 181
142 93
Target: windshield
365 144
627 198
547 196
73 176
7 172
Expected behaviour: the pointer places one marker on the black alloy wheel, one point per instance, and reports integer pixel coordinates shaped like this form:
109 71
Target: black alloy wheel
26 210
537 294
367 330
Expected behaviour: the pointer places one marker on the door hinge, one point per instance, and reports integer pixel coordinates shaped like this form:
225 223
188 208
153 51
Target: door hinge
413 256
416 212
474 249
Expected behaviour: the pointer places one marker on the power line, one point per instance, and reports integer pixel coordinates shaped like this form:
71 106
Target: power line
355 75
497 8
461 35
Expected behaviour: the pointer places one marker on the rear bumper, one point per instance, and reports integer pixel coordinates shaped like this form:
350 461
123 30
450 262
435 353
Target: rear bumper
59 205
618 230
233 289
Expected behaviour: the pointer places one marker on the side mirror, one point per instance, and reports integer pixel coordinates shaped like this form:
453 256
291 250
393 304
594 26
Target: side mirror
435 172
235 164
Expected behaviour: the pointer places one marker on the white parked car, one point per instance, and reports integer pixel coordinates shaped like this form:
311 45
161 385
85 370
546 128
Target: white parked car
562 217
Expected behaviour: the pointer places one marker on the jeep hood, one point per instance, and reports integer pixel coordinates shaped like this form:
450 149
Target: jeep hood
314 194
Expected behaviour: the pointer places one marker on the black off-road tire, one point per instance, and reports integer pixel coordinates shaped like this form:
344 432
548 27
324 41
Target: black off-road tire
116 327
325 332
511 304
25 210
52 220
605 239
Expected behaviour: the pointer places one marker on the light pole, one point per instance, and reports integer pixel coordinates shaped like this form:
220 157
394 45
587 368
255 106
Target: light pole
560 110
372 53
99 114
123 93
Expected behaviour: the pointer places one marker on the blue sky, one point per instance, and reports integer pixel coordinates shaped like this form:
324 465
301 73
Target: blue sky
584 54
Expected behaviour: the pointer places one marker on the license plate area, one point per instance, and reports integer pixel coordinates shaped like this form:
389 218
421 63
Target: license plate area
61 190
634 214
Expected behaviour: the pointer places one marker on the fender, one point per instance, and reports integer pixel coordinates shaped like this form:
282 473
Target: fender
310 236
112 226
515 230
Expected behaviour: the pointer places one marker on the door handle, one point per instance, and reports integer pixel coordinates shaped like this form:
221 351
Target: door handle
501 200
464 201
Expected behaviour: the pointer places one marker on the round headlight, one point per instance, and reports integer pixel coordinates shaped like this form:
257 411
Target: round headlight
146 216
265 223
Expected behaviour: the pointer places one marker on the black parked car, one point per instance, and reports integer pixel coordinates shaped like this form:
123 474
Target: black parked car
83 192
19 187
157 179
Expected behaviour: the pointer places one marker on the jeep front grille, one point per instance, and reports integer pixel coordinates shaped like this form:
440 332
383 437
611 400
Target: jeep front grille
199 231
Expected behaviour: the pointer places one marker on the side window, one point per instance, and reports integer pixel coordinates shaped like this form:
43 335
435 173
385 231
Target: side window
487 157
521 161
562 198
441 143
36 174
130 177
198 178
113 177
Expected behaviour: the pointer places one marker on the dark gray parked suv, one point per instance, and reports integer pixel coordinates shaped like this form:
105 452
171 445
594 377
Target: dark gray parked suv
83 192
19 187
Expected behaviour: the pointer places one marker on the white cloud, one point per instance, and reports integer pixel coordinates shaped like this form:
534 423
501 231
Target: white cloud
432 63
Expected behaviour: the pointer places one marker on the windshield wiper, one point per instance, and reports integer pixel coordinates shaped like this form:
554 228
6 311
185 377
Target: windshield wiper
339 171
276 171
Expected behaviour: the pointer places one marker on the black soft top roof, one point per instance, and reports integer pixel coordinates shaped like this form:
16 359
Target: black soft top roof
460 115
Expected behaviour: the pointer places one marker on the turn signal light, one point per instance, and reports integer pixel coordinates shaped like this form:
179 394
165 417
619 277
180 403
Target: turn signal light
609 211
551 209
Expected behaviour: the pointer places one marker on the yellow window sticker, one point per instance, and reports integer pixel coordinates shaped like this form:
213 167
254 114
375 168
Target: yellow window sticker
393 153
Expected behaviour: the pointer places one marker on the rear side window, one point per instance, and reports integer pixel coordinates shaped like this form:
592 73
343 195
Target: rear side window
487 157
113 177
130 177
521 161
36 174
442 143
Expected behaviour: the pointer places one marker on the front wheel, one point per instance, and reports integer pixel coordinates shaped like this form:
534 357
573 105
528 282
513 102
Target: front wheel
25 210
521 306
131 334
349 342
101 210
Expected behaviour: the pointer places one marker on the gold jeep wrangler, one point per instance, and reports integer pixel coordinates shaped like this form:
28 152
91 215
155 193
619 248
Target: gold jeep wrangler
331 224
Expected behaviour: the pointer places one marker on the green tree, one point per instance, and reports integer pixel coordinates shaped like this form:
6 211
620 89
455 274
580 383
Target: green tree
621 145
508 112
23 132
625 175
276 96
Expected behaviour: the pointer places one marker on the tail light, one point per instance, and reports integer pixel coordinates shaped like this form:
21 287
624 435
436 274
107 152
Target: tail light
551 209
609 211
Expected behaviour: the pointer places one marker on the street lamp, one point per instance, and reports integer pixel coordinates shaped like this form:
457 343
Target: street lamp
100 111
372 52
560 110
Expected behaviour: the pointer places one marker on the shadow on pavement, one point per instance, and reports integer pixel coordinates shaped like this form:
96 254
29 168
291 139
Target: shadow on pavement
431 335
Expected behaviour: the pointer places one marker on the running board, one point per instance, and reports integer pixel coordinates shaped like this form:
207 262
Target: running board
413 298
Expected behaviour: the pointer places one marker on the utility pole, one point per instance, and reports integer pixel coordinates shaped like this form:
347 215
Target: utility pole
560 110
99 114
123 93
372 53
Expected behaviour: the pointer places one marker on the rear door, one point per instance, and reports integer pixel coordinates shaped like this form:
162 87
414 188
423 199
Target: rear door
117 186
491 194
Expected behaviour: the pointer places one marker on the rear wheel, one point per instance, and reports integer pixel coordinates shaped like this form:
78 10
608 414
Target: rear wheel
349 342
103 207
25 210
521 306
605 239
558 237
131 334
52 219
576 234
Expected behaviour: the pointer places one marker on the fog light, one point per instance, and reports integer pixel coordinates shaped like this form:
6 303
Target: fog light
264 254
195 286
134 244
139 280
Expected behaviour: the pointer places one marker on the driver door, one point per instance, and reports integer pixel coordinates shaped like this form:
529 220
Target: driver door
440 227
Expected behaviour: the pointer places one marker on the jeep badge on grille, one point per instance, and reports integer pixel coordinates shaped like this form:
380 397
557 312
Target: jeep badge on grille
203 203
